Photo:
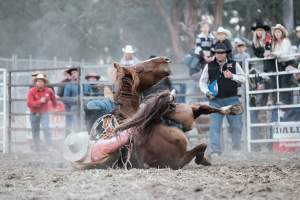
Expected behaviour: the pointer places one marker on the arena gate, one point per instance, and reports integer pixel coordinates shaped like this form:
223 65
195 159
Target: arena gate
272 108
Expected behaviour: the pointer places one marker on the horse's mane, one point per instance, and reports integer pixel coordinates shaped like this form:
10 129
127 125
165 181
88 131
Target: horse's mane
127 90
154 107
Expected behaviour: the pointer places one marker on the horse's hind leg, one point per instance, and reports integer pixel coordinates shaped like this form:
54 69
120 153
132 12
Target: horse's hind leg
200 109
197 152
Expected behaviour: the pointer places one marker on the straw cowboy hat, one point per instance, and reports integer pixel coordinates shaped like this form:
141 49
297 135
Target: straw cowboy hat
92 74
220 47
34 74
76 146
223 30
260 24
128 49
41 77
280 27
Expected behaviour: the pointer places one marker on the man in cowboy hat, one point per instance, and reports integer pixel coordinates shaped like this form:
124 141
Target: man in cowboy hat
128 58
223 35
90 89
37 101
71 92
84 153
67 79
219 81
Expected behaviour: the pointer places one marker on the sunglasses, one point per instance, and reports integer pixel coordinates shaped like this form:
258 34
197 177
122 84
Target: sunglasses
220 52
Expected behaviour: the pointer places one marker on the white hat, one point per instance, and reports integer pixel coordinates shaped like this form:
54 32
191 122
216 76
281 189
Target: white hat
128 49
76 146
238 42
297 28
281 28
41 76
223 30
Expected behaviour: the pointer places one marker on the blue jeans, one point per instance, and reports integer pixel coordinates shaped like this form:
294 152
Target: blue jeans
104 106
216 120
96 109
72 119
36 120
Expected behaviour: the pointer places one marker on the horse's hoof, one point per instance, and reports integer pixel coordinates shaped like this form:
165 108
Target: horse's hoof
205 162
201 160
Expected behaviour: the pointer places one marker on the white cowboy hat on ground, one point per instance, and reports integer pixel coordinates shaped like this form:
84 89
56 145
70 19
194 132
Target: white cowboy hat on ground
280 27
76 146
223 30
128 49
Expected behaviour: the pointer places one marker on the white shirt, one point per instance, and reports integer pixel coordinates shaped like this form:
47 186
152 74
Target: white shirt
131 62
283 50
239 77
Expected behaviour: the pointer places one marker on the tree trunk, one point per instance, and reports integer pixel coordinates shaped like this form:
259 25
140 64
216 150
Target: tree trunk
173 29
288 14
218 14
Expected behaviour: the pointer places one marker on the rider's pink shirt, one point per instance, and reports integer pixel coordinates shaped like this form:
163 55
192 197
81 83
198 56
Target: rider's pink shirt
102 148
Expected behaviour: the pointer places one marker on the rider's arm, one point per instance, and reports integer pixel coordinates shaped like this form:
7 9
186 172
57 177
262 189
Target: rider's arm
102 148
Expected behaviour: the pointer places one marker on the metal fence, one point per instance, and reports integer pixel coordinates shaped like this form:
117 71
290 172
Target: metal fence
268 105
19 82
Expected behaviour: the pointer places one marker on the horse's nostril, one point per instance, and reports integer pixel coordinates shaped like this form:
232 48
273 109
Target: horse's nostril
167 60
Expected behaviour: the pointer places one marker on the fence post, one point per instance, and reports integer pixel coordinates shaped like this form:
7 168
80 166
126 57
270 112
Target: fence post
9 132
81 100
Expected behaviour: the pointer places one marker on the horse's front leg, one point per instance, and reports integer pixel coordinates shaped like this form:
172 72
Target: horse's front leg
200 109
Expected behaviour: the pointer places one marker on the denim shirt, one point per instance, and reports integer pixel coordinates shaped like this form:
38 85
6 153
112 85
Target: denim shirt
72 90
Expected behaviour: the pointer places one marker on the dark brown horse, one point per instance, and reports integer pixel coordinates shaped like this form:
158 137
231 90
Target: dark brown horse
156 144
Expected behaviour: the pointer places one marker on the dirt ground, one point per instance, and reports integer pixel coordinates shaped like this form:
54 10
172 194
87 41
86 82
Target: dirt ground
48 176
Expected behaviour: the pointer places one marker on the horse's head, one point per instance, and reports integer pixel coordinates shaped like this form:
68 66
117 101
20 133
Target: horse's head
126 81
152 71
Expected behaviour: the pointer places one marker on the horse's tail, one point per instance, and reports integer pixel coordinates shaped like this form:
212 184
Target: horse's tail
151 111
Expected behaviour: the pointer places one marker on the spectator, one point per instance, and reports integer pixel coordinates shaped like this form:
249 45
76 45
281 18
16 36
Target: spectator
241 54
223 35
71 91
282 50
90 88
60 90
219 81
298 38
261 46
262 40
128 58
37 101
197 60
204 42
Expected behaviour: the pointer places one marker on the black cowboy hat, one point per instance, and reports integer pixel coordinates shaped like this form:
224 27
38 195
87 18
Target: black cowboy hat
92 74
70 69
260 24
220 47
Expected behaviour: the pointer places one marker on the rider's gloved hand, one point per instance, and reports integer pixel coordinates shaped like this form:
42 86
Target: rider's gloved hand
210 96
